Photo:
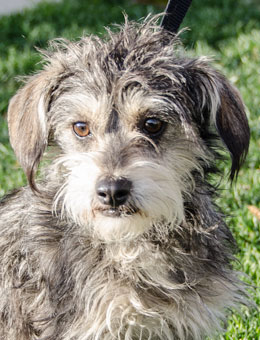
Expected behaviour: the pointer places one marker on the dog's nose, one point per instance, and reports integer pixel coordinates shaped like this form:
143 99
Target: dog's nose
113 191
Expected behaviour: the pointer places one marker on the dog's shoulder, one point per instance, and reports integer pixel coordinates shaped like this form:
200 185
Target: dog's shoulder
5 200
13 197
14 205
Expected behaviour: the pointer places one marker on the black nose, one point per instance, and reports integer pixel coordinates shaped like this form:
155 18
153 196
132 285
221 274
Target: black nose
113 191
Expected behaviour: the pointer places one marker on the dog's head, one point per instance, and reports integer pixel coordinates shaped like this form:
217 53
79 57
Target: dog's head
134 122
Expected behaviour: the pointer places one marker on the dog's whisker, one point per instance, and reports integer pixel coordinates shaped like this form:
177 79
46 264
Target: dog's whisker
57 199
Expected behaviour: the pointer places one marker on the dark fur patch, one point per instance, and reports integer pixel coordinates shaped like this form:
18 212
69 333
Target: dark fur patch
113 122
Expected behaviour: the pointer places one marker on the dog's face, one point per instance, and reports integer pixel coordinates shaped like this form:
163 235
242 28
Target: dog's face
126 160
133 122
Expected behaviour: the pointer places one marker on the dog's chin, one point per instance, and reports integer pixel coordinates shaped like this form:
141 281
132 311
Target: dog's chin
113 225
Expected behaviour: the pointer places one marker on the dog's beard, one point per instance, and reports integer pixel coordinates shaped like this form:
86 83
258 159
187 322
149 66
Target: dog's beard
156 197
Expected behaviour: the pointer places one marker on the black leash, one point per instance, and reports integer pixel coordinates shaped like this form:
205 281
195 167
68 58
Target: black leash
175 12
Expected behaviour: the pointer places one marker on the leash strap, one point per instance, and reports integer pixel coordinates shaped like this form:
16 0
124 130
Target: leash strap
175 12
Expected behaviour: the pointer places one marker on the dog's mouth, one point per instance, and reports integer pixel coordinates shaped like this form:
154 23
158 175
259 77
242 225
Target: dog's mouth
112 212
122 211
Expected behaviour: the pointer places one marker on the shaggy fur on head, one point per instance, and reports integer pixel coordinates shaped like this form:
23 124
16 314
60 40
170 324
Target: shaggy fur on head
130 111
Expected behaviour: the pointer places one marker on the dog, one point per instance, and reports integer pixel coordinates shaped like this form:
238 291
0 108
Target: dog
117 235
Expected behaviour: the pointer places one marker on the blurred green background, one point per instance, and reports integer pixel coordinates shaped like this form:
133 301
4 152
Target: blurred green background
228 30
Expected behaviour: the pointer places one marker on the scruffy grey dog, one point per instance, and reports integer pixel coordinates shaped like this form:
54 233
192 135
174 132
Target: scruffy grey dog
119 237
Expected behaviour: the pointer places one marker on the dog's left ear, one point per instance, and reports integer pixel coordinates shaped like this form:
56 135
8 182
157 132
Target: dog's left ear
27 122
221 103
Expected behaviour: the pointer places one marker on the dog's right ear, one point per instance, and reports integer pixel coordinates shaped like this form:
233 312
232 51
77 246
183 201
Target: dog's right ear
27 122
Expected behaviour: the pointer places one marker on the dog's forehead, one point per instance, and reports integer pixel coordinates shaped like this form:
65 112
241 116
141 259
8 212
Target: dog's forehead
122 81
105 106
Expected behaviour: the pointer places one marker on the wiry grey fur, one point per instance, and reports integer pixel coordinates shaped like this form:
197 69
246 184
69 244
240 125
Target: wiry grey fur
161 268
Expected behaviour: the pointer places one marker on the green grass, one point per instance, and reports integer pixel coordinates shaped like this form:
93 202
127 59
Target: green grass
229 30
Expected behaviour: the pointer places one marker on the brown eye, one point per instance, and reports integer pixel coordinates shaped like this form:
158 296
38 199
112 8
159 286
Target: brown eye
153 126
81 129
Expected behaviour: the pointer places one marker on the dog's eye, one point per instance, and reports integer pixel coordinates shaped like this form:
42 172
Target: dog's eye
153 126
81 129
